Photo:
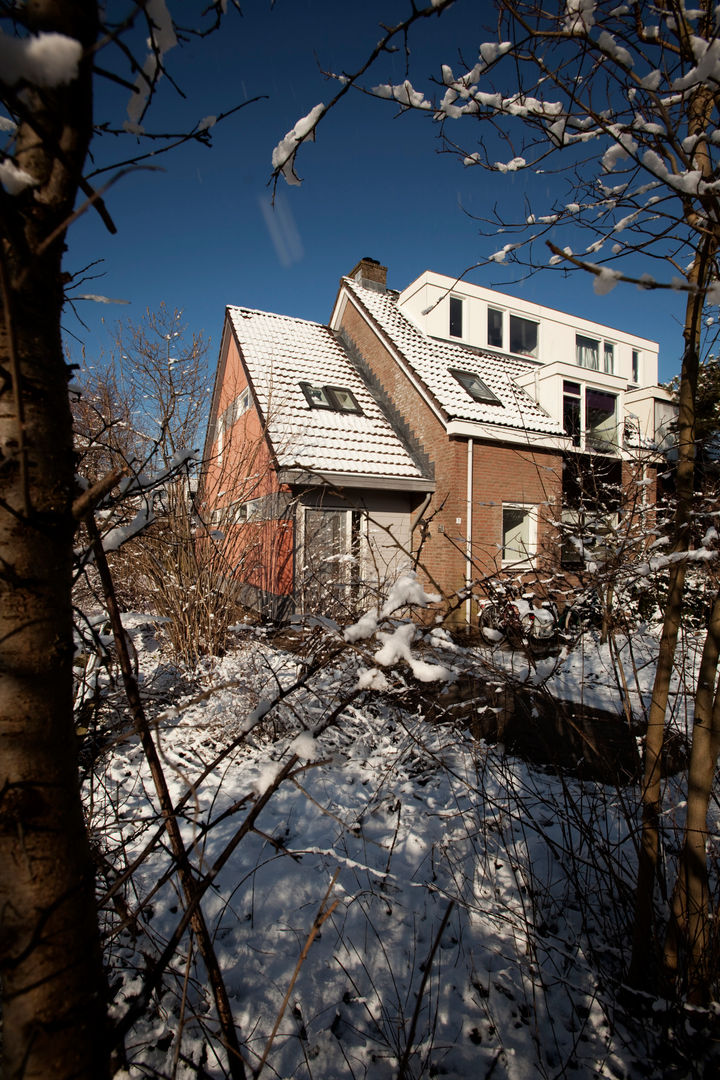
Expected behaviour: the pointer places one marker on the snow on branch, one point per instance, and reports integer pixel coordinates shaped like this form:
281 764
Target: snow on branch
14 179
42 59
396 647
579 17
116 537
407 591
404 94
162 39
283 156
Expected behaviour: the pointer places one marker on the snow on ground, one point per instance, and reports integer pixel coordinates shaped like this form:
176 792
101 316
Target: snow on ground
595 673
478 906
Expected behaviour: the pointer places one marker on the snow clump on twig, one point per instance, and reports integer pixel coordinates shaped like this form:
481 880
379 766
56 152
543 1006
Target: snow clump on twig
43 59
283 156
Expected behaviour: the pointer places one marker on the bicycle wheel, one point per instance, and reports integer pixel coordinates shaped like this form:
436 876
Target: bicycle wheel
491 624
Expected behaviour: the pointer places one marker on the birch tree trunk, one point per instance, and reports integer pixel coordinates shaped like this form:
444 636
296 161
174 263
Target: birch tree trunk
52 984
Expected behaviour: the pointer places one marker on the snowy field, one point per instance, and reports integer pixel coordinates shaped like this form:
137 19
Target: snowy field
408 902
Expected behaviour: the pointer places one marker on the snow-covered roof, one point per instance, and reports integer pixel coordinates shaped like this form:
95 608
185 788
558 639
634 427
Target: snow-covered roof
432 360
282 352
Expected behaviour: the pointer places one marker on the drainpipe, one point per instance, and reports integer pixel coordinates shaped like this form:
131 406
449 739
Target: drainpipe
468 539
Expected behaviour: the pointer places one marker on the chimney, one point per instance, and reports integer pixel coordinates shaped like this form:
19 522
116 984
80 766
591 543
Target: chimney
369 272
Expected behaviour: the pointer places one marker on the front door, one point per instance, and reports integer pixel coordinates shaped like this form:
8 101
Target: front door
326 562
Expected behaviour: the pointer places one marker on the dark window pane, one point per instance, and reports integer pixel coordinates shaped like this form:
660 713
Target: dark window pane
495 328
456 320
523 336
571 418
600 422
342 399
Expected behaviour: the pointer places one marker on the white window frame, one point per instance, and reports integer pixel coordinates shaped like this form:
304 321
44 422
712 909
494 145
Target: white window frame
604 347
531 512
220 437
585 443
242 402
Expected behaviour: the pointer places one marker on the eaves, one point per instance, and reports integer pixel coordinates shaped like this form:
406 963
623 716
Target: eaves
469 429
367 481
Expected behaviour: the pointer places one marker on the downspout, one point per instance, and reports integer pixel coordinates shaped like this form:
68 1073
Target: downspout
468 539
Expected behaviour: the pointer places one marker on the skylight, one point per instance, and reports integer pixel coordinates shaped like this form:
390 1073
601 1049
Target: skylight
334 398
475 387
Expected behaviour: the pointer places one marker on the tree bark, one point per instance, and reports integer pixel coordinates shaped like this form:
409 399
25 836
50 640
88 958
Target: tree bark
52 983
644 960
690 926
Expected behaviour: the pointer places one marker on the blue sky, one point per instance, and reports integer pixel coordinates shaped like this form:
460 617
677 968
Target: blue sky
201 234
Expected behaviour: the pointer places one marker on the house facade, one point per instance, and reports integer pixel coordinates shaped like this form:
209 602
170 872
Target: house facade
448 427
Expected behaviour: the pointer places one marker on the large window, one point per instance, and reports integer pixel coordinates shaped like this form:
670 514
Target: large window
523 336
589 417
495 328
519 533
600 421
456 316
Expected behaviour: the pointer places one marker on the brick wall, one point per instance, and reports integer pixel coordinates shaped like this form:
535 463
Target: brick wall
500 473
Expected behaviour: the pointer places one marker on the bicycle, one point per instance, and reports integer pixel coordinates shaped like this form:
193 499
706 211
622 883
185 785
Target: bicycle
517 620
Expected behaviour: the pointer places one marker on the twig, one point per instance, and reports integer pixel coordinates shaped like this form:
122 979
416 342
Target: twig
322 915
188 880
88 500
403 1064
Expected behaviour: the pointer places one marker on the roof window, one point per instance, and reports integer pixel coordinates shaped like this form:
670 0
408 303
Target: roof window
334 398
475 387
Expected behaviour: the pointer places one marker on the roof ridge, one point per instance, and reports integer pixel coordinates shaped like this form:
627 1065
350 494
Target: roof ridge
431 359
277 315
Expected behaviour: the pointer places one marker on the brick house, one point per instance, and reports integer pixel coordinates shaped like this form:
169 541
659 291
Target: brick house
448 420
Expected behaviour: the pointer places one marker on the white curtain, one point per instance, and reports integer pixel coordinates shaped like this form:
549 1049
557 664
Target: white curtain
588 353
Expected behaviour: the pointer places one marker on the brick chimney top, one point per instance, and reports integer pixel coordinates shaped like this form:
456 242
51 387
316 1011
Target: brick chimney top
369 272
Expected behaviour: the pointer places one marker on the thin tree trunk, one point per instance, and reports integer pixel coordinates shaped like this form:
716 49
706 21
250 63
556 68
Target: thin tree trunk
185 871
689 926
643 964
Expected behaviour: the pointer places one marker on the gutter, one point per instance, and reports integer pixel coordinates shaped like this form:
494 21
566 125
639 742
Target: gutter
368 481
